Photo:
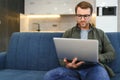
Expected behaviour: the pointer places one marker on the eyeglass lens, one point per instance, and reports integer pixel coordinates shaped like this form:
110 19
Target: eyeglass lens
84 16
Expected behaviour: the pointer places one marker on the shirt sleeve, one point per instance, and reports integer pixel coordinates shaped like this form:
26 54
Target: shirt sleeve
108 53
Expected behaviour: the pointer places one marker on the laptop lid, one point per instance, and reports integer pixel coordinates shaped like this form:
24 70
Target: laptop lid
86 50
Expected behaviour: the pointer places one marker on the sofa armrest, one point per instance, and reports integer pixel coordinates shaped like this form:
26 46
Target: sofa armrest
2 59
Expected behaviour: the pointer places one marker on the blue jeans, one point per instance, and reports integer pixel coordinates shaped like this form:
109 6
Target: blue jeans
94 72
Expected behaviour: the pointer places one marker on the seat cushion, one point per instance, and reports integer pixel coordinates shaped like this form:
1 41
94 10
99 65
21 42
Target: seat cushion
9 74
114 37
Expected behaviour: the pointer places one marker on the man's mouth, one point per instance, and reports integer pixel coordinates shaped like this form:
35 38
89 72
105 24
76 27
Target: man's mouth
82 22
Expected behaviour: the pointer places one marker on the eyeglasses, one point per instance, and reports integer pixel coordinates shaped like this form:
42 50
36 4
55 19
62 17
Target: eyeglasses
84 16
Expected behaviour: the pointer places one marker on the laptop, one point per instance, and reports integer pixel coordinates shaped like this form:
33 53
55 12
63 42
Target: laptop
85 50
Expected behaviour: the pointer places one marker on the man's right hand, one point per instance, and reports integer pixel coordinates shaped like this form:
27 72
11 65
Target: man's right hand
74 64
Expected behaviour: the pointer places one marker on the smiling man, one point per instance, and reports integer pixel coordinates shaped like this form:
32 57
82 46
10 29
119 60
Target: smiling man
81 70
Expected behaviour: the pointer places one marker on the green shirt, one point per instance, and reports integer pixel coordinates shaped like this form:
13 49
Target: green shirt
106 51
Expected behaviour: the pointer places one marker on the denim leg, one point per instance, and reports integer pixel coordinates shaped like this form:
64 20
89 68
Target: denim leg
96 72
62 73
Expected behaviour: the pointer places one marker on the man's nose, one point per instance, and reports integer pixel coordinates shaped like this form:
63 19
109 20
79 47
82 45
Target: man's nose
82 18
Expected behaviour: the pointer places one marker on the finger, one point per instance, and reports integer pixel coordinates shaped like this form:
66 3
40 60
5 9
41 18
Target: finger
74 60
80 63
65 60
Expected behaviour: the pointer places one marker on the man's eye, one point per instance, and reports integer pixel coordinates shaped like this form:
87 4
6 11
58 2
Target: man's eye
85 15
79 15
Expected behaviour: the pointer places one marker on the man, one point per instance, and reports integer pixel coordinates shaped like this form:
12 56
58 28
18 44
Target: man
80 70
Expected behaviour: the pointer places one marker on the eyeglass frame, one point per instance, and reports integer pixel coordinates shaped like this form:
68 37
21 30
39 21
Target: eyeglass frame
84 16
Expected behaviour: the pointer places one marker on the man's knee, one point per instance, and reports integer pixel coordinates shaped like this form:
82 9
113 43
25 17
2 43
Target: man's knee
52 73
98 73
99 69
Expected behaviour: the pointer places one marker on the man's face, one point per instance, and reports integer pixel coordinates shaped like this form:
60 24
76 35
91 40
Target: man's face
83 17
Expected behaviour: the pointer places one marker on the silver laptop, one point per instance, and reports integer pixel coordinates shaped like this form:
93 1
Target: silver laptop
86 50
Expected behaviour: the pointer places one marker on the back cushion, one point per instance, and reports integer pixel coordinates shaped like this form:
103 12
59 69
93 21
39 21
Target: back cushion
32 51
114 37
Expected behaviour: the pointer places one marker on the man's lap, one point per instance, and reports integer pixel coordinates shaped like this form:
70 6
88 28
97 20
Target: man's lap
87 73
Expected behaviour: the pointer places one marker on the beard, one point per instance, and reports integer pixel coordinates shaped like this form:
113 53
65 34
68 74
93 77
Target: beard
83 24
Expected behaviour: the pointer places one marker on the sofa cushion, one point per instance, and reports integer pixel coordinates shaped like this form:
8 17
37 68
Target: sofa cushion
32 51
114 37
10 74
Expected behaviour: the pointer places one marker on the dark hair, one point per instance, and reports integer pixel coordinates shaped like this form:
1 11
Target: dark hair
84 5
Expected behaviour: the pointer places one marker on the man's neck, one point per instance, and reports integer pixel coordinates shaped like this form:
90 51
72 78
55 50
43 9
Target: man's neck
85 28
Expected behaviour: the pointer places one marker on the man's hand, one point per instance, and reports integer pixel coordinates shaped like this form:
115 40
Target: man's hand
74 64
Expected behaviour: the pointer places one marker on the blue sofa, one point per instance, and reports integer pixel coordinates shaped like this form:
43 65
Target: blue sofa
31 55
